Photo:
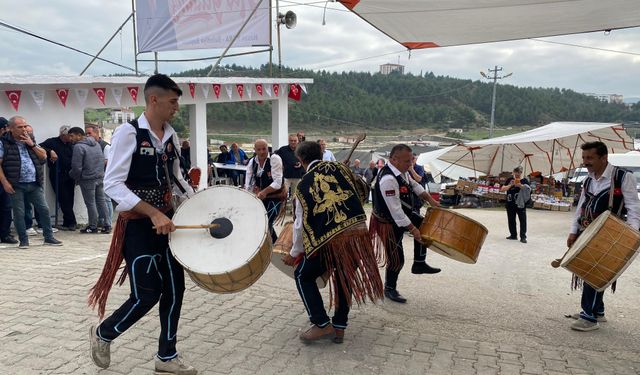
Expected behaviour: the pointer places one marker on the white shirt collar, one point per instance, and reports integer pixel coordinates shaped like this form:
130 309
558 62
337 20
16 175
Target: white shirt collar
143 123
605 174
396 171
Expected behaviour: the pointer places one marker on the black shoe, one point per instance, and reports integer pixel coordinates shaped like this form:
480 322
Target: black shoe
68 228
523 240
52 242
512 238
393 295
24 244
105 230
421 267
9 239
89 229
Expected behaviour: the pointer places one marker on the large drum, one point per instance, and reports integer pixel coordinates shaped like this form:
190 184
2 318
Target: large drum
228 258
603 251
453 235
283 246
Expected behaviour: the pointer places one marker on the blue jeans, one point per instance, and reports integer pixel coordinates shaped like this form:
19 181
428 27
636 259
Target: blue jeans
30 193
93 196
5 213
109 218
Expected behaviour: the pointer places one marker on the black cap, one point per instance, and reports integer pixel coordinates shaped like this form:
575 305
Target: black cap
3 122
162 81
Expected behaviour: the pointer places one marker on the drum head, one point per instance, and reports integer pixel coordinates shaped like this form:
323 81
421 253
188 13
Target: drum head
585 237
198 251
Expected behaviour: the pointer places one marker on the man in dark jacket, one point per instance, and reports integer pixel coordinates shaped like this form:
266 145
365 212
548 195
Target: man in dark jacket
22 177
292 168
87 168
5 203
59 150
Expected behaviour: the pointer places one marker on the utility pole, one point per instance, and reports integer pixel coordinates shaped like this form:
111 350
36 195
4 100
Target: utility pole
495 79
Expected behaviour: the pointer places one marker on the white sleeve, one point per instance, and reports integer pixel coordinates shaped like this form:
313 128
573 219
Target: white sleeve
391 194
576 216
248 178
107 150
276 172
332 157
298 246
123 145
631 201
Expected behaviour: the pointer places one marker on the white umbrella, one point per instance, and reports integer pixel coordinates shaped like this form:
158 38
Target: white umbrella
440 168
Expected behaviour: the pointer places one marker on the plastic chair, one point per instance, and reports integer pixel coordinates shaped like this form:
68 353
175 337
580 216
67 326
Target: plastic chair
217 179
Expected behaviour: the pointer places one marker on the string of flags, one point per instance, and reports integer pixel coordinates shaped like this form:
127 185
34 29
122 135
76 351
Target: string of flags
295 91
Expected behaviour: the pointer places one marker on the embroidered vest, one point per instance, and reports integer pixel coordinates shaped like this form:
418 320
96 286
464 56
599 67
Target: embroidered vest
595 204
380 208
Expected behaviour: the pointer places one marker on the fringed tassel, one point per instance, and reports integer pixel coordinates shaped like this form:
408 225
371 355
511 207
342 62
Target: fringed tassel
576 283
384 243
100 292
282 212
352 263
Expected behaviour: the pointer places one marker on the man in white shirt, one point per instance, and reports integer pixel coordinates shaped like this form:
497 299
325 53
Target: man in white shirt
594 200
143 167
326 154
264 178
393 214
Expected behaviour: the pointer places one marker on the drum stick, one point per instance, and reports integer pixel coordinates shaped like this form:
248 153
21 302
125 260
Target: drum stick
556 262
196 226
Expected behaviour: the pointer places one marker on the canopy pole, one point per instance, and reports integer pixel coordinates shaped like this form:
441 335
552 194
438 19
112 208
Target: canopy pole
502 161
106 44
553 151
451 165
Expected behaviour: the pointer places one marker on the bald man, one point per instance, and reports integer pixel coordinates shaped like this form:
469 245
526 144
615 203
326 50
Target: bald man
265 179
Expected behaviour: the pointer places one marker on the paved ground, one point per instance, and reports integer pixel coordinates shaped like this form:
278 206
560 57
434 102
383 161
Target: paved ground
503 315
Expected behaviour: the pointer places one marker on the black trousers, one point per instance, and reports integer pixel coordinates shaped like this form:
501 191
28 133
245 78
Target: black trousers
5 213
512 211
154 275
419 252
273 207
306 273
66 189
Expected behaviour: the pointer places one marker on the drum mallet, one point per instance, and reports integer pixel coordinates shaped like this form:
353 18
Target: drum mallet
556 262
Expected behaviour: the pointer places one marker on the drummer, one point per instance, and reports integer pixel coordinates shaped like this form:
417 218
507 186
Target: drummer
264 178
594 200
393 214
144 166
330 234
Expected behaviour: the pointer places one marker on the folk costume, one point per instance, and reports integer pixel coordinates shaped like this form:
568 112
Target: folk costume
142 167
615 190
394 209
330 236
259 177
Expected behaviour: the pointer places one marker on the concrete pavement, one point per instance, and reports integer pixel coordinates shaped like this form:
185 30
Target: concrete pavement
503 315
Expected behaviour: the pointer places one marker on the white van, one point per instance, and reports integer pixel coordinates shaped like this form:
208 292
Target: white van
629 161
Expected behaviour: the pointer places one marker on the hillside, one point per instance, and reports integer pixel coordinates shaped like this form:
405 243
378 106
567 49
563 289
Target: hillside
351 101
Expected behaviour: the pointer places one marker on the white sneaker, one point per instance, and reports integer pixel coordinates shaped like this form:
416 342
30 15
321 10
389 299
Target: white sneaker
31 232
174 366
40 231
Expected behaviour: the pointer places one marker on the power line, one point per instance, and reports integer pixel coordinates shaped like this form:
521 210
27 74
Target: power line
586 47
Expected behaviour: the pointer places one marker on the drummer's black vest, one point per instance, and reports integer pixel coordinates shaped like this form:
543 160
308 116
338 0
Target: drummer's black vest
265 179
380 208
147 178
595 204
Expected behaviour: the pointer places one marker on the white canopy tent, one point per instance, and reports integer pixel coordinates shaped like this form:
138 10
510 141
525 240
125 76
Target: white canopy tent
440 168
438 23
47 102
549 149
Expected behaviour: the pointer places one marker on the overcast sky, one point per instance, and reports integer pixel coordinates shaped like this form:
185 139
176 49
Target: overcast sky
344 43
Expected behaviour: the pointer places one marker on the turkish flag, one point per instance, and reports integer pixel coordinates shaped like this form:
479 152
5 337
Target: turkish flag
133 91
100 93
14 97
192 89
63 94
295 92
276 89
259 88
240 88
216 90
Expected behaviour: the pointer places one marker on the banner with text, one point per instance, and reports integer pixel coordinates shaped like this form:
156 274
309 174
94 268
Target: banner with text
169 25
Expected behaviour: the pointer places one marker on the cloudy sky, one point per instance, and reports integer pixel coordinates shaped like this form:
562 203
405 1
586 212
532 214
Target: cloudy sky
345 43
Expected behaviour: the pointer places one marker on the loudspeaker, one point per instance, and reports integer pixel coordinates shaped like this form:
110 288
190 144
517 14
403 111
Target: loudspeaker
289 19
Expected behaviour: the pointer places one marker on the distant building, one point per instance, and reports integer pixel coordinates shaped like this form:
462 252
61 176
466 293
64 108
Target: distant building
123 115
609 98
386 69
456 130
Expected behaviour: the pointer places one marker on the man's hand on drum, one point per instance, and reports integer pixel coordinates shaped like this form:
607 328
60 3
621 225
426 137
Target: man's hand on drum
261 195
571 239
415 233
289 260
162 223
427 197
